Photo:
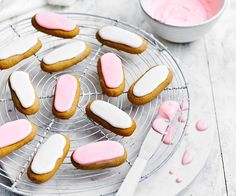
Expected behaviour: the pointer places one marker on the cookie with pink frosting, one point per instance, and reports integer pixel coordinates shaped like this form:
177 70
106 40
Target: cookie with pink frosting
121 39
111 117
99 155
15 134
150 85
65 56
55 24
111 74
66 96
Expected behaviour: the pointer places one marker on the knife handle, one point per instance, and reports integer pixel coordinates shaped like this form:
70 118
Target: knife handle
130 182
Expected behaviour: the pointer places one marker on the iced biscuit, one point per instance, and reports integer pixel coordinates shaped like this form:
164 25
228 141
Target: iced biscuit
48 158
99 155
55 24
111 117
19 50
23 94
15 134
66 96
150 85
121 39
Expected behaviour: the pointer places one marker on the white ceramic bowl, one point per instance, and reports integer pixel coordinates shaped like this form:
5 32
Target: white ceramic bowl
180 34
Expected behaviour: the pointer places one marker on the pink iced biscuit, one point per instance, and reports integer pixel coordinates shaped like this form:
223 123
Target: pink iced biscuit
182 119
50 20
167 139
187 157
13 132
160 125
201 125
112 70
66 89
168 109
98 152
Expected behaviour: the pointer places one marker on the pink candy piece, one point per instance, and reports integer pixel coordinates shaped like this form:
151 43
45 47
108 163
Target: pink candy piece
168 109
98 152
65 92
201 125
160 125
187 157
112 70
178 180
13 132
50 20
182 119
167 139
184 106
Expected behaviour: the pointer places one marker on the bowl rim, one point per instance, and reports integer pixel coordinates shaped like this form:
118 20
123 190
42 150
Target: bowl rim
221 10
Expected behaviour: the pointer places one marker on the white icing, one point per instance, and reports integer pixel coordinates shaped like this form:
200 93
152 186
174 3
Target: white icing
118 35
22 86
18 46
111 114
48 154
65 52
150 80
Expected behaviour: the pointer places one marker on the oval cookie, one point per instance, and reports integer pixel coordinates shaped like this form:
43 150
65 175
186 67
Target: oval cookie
49 158
121 39
111 117
111 74
66 96
15 134
19 50
99 155
55 24
65 56
23 94
150 85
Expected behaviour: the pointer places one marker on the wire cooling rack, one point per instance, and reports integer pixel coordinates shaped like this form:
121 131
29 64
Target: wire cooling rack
79 128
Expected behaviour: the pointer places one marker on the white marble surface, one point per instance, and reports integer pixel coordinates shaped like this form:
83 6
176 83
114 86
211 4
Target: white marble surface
208 65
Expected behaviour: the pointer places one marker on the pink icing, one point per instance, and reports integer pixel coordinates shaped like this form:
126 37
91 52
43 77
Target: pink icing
168 109
50 20
167 139
182 119
13 132
201 125
112 70
98 152
184 12
178 180
184 106
187 157
160 125
65 92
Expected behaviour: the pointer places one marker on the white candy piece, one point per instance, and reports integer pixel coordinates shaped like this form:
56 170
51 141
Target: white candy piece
18 46
150 80
121 36
65 52
111 114
48 154
22 86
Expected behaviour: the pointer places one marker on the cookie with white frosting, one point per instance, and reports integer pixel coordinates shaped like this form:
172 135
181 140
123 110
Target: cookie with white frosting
99 155
111 117
15 134
55 24
66 97
111 74
48 158
150 85
23 93
65 56
121 39
18 50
